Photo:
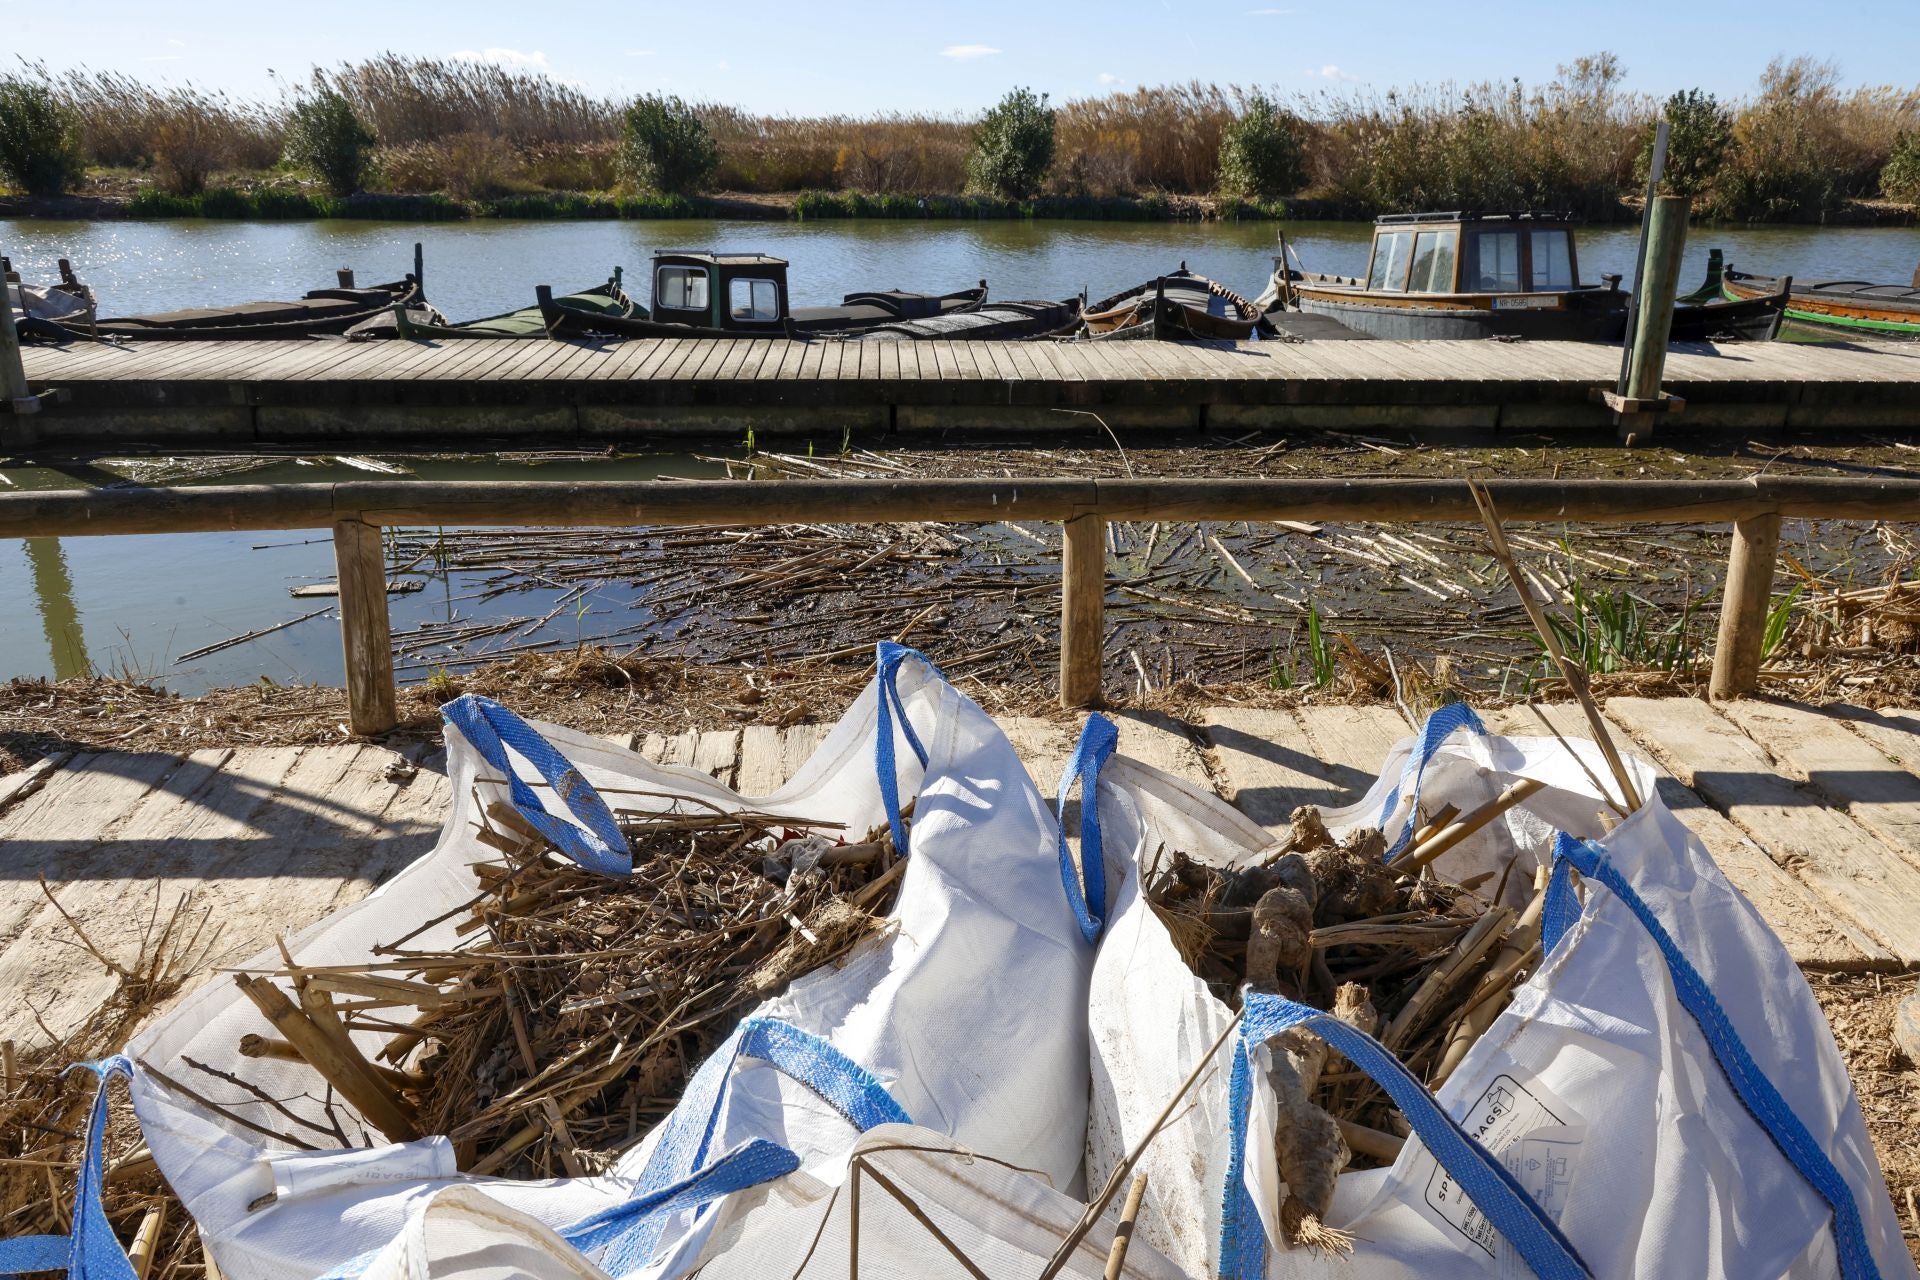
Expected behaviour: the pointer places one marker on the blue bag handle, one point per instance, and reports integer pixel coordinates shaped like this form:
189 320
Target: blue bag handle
594 841
1749 1082
1440 725
1484 1179
887 659
622 1238
92 1251
1087 887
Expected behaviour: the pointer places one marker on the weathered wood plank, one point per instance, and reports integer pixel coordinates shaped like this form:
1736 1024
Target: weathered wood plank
1353 743
1166 743
1844 863
1268 766
1043 746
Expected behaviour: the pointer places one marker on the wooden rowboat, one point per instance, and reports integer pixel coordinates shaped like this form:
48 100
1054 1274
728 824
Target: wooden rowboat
1853 307
1179 306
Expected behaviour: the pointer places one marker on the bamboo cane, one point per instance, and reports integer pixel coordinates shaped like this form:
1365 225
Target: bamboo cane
334 1057
1460 828
1123 1234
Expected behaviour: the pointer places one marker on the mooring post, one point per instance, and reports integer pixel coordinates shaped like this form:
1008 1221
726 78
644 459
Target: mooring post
420 269
366 640
1083 608
1653 320
345 277
13 372
1745 603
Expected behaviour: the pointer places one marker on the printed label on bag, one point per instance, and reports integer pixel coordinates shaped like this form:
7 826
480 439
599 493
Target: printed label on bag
1531 1132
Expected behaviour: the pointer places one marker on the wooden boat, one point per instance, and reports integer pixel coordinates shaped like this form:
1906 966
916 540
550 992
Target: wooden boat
1853 307
46 312
1180 306
1464 274
744 295
608 299
321 313
1707 314
998 322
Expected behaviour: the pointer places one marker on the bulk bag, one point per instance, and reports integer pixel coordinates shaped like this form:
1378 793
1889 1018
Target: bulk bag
1663 1097
966 1016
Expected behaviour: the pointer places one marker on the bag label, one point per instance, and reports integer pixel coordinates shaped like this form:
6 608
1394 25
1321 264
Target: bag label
1537 1137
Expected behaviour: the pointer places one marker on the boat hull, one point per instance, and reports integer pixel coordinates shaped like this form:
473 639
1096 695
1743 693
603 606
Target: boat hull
1590 323
1849 307
320 314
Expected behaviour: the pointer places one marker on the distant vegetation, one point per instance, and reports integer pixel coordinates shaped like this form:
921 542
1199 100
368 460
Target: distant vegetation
484 138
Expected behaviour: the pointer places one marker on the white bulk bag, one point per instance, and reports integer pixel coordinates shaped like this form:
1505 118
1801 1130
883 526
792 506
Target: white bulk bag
1663 1097
967 1016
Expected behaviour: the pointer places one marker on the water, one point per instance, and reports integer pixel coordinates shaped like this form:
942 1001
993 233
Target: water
484 267
133 604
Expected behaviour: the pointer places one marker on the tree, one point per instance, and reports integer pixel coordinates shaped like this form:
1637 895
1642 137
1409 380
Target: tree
1900 179
38 153
1013 146
326 137
1700 134
1260 152
665 146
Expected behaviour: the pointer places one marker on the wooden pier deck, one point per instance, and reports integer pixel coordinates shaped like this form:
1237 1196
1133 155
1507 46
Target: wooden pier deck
235 395
1813 813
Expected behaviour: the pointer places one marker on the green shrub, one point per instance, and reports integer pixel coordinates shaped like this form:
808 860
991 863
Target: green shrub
148 202
1013 146
1900 178
38 153
329 140
1261 154
665 146
1699 136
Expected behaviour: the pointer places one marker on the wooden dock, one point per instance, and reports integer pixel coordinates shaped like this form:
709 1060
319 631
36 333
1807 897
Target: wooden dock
499 392
1813 813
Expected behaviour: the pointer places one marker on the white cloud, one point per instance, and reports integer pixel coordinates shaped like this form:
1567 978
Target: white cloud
1331 72
503 57
1107 77
964 52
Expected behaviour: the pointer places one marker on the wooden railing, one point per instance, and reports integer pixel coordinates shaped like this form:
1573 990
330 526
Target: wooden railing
357 511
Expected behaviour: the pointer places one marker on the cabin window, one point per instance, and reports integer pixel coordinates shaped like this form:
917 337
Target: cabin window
680 289
1433 261
1552 259
1493 264
753 300
1390 254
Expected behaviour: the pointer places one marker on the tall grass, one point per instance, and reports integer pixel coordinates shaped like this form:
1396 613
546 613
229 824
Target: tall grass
1803 143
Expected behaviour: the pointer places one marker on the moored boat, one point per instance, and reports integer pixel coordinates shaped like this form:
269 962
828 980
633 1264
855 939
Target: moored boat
997 322
1464 274
1708 314
1851 307
744 295
47 311
608 299
1181 305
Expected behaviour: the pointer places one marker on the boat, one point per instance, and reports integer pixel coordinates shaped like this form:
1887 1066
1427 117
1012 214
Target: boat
320 313
996 322
608 299
1852 307
1463 274
1181 305
47 311
1708 314
744 295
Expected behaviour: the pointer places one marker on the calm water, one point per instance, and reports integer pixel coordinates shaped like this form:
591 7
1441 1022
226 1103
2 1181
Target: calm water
479 268
133 604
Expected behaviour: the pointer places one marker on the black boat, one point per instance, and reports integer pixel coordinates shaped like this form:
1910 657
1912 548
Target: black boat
321 313
1179 306
744 295
1710 314
995 322
46 312
602 300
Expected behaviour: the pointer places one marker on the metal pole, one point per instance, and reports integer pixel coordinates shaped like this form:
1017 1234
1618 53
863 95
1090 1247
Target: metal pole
1655 171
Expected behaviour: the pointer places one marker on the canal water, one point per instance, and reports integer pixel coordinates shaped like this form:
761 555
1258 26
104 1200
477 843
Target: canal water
133 605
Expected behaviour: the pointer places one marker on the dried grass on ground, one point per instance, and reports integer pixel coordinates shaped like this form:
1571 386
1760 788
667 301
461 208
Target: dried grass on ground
1860 1007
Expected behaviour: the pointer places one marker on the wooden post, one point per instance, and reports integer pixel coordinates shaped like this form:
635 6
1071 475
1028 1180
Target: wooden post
420 269
1653 320
1744 604
345 277
1083 608
13 373
365 639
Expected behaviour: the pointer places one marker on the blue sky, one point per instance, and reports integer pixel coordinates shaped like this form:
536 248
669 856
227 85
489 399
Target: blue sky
865 56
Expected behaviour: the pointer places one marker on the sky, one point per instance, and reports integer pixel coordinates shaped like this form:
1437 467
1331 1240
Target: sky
861 56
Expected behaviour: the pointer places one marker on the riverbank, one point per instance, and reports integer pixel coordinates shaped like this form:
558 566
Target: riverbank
271 201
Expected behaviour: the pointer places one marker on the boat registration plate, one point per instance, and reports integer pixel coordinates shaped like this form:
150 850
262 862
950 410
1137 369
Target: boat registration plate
1528 301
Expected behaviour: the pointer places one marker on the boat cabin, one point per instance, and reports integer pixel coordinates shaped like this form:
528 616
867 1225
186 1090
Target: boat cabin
1465 252
741 292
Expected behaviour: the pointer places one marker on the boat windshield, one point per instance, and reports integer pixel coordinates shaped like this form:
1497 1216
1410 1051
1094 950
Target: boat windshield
753 299
1493 262
1552 259
1433 253
680 289
1390 254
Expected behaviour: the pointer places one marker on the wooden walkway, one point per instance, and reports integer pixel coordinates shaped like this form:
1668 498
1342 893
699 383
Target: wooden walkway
244 394
1814 814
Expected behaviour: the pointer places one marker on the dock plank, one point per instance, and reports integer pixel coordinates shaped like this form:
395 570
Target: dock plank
1847 865
1267 766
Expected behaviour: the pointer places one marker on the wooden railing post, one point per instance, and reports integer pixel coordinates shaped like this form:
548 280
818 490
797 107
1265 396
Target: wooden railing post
366 639
1744 604
13 372
1083 608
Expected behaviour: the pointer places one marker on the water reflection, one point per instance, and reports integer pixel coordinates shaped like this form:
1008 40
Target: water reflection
59 617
